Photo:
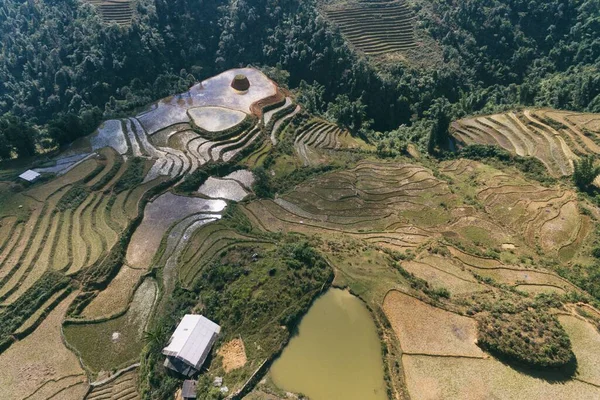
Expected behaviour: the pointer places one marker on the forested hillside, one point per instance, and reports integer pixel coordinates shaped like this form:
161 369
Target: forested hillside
62 70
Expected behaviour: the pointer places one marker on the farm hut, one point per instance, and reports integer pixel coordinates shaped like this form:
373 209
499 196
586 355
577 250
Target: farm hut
190 344
188 390
29 176
240 83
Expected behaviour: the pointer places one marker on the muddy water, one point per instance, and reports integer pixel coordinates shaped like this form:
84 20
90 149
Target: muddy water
336 354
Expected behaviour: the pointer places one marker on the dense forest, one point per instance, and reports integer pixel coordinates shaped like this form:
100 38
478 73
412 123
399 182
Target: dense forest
62 70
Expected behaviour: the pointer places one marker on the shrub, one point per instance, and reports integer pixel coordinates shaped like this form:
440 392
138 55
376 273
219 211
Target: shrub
133 176
584 173
74 197
530 337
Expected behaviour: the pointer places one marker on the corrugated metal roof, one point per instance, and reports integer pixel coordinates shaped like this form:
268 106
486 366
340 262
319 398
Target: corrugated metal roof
192 339
29 175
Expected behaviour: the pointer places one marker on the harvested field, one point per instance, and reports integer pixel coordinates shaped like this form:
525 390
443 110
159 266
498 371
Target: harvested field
233 354
556 138
215 119
158 217
433 378
585 340
374 27
112 344
424 329
443 273
27 366
124 387
365 201
116 296
548 217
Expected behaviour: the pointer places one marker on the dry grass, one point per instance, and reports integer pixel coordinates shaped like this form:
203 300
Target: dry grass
424 329
442 273
436 378
40 358
585 340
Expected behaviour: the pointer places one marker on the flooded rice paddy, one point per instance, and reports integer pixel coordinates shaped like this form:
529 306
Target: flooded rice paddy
336 353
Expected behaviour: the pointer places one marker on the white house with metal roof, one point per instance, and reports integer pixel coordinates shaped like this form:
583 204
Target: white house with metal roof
190 344
29 175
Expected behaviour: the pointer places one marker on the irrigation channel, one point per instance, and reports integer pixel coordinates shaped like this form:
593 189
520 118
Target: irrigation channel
336 353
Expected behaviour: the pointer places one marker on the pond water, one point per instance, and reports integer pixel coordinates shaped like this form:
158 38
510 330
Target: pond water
336 353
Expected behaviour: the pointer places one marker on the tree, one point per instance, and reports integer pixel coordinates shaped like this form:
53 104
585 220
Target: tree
585 172
349 114
440 113
17 135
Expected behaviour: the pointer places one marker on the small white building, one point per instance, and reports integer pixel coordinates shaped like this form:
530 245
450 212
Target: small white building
29 175
190 344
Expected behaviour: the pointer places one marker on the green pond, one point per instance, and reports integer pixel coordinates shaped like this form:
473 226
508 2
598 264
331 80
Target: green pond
336 353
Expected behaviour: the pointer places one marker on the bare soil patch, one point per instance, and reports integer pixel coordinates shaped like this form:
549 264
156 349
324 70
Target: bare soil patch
234 355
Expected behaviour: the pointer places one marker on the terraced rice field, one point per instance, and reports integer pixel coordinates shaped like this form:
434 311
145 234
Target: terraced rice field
204 245
119 11
159 216
28 368
543 216
117 342
364 202
374 26
124 387
556 138
320 135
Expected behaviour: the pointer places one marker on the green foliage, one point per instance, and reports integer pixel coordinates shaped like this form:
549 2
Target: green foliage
262 183
531 167
70 126
267 186
439 138
193 181
531 337
250 295
420 284
74 197
349 114
132 177
585 172
16 136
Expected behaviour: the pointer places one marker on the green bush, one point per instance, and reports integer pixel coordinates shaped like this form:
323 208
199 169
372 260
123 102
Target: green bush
531 337
132 177
74 197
